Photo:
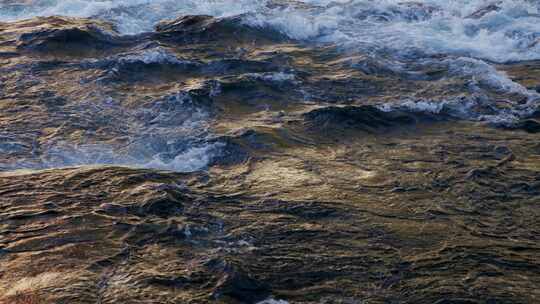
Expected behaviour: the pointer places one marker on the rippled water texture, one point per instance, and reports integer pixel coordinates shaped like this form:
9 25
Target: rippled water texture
270 152
463 38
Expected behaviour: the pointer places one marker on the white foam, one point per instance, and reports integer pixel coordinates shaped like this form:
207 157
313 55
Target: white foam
458 107
434 26
155 55
509 33
423 106
273 76
131 16
273 301
195 158
485 74
473 108
167 134
395 28
482 80
65 154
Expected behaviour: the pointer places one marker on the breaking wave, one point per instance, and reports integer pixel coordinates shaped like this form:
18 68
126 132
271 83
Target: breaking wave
170 133
475 104
499 30
494 30
464 37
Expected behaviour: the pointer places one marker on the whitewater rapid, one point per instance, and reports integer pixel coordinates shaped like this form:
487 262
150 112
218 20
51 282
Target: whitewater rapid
498 30
470 36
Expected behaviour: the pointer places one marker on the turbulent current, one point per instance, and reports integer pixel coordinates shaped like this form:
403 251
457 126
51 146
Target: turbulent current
269 151
493 30
465 38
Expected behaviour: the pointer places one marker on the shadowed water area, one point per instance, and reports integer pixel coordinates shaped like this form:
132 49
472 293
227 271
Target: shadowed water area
269 152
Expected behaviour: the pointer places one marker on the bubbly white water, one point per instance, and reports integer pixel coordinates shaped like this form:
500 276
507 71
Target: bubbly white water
193 159
131 16
167 134
272 77
273 301
433 26
497 30
481 76
471 33
155 55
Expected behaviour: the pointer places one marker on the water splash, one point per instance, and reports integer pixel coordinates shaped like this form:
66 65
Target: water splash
498 30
